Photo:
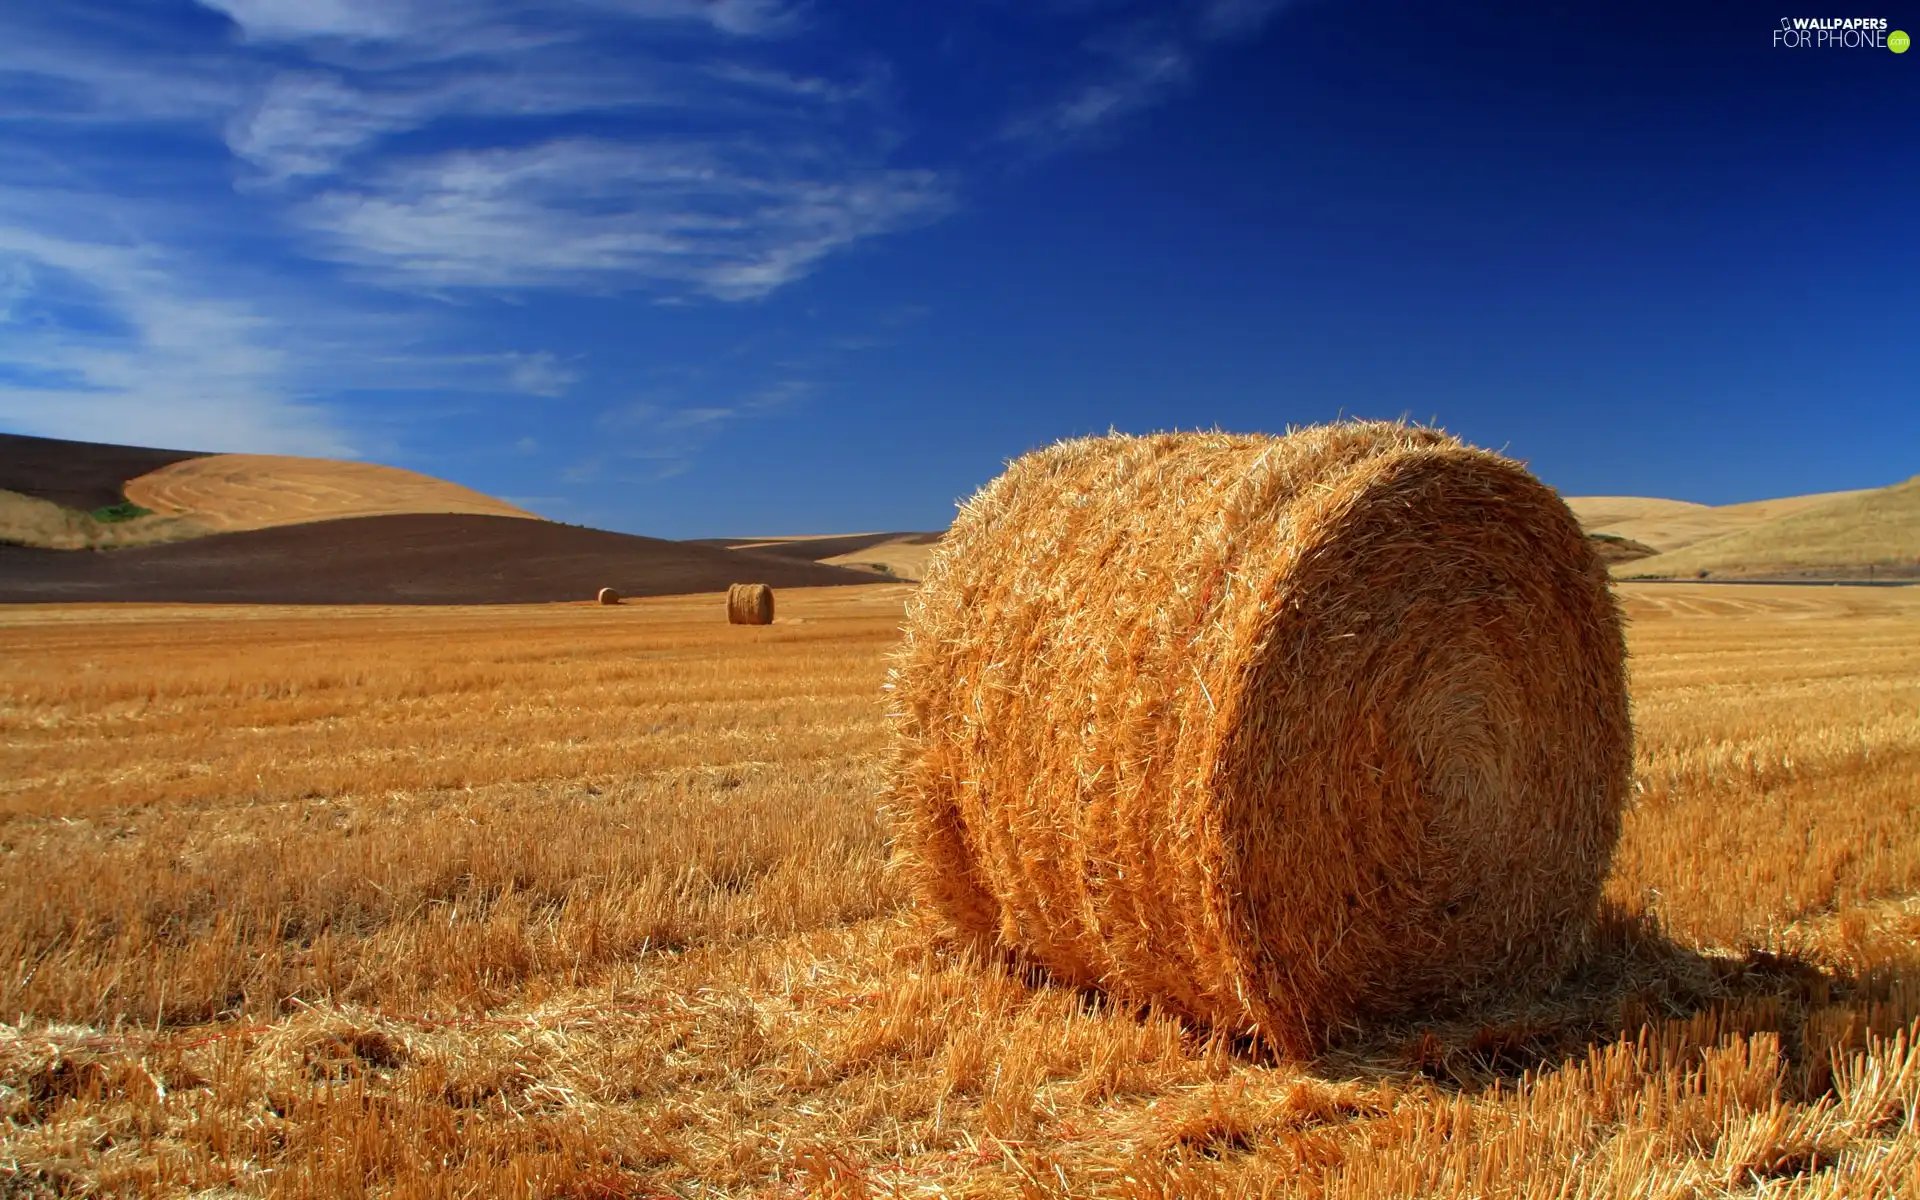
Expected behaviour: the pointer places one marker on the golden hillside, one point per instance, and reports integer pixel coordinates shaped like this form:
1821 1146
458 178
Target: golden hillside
1669 525
1877 529
227 492
898 555
1627 530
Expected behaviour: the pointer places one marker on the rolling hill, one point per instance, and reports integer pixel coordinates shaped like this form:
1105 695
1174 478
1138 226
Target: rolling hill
898 555
1827 534
1668 525
176 526
77 475
64 495
181 525
55 493
412 558
1859 533
231 492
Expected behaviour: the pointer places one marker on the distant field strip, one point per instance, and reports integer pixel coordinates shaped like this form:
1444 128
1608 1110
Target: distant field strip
582 901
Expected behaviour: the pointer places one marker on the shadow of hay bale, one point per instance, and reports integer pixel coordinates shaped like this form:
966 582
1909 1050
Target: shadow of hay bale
1636 990
1639 985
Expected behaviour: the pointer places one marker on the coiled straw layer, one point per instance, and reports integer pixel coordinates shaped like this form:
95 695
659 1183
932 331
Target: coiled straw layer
750 604
1281 733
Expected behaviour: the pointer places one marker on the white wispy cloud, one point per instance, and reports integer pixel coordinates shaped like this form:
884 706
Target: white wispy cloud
759 174
1220 19
437 28
732 222
159 363
1135 64
110 331
307 122
448 148
659 436
272 20
315 95
16 283
56 73
540 374
732 212
1139 72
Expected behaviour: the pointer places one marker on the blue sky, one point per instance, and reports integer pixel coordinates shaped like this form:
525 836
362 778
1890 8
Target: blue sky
703 267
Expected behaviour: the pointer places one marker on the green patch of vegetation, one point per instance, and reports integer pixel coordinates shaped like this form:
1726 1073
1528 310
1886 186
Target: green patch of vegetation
126 510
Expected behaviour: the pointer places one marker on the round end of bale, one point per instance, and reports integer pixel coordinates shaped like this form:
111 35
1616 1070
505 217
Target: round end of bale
1282 733
608 596
750 604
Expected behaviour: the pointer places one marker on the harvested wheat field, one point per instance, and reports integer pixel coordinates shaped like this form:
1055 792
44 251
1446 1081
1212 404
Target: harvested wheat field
524 901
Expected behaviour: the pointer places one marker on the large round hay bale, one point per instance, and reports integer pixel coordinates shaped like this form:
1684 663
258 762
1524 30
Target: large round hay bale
1279 732
750 604
608 596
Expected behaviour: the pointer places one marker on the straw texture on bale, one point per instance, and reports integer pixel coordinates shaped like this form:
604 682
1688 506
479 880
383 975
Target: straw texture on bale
750 604
608 596
1282 733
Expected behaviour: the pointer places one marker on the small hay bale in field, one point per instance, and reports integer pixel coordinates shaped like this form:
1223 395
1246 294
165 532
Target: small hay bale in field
1280 732
608 596
750 604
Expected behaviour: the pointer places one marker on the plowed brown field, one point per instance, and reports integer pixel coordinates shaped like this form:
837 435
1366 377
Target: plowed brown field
414 558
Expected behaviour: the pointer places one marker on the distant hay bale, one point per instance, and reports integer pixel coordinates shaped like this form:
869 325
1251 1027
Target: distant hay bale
608 596
1280 733
750 604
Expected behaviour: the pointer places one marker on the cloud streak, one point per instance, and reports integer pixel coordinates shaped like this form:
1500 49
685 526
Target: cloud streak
1135 65
152 362
212 213
752 200
539 374
435 28
730 222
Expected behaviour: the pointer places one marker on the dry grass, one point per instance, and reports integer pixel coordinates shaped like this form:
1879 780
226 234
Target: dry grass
227 492
554 902
607 595
31 521
1282 733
